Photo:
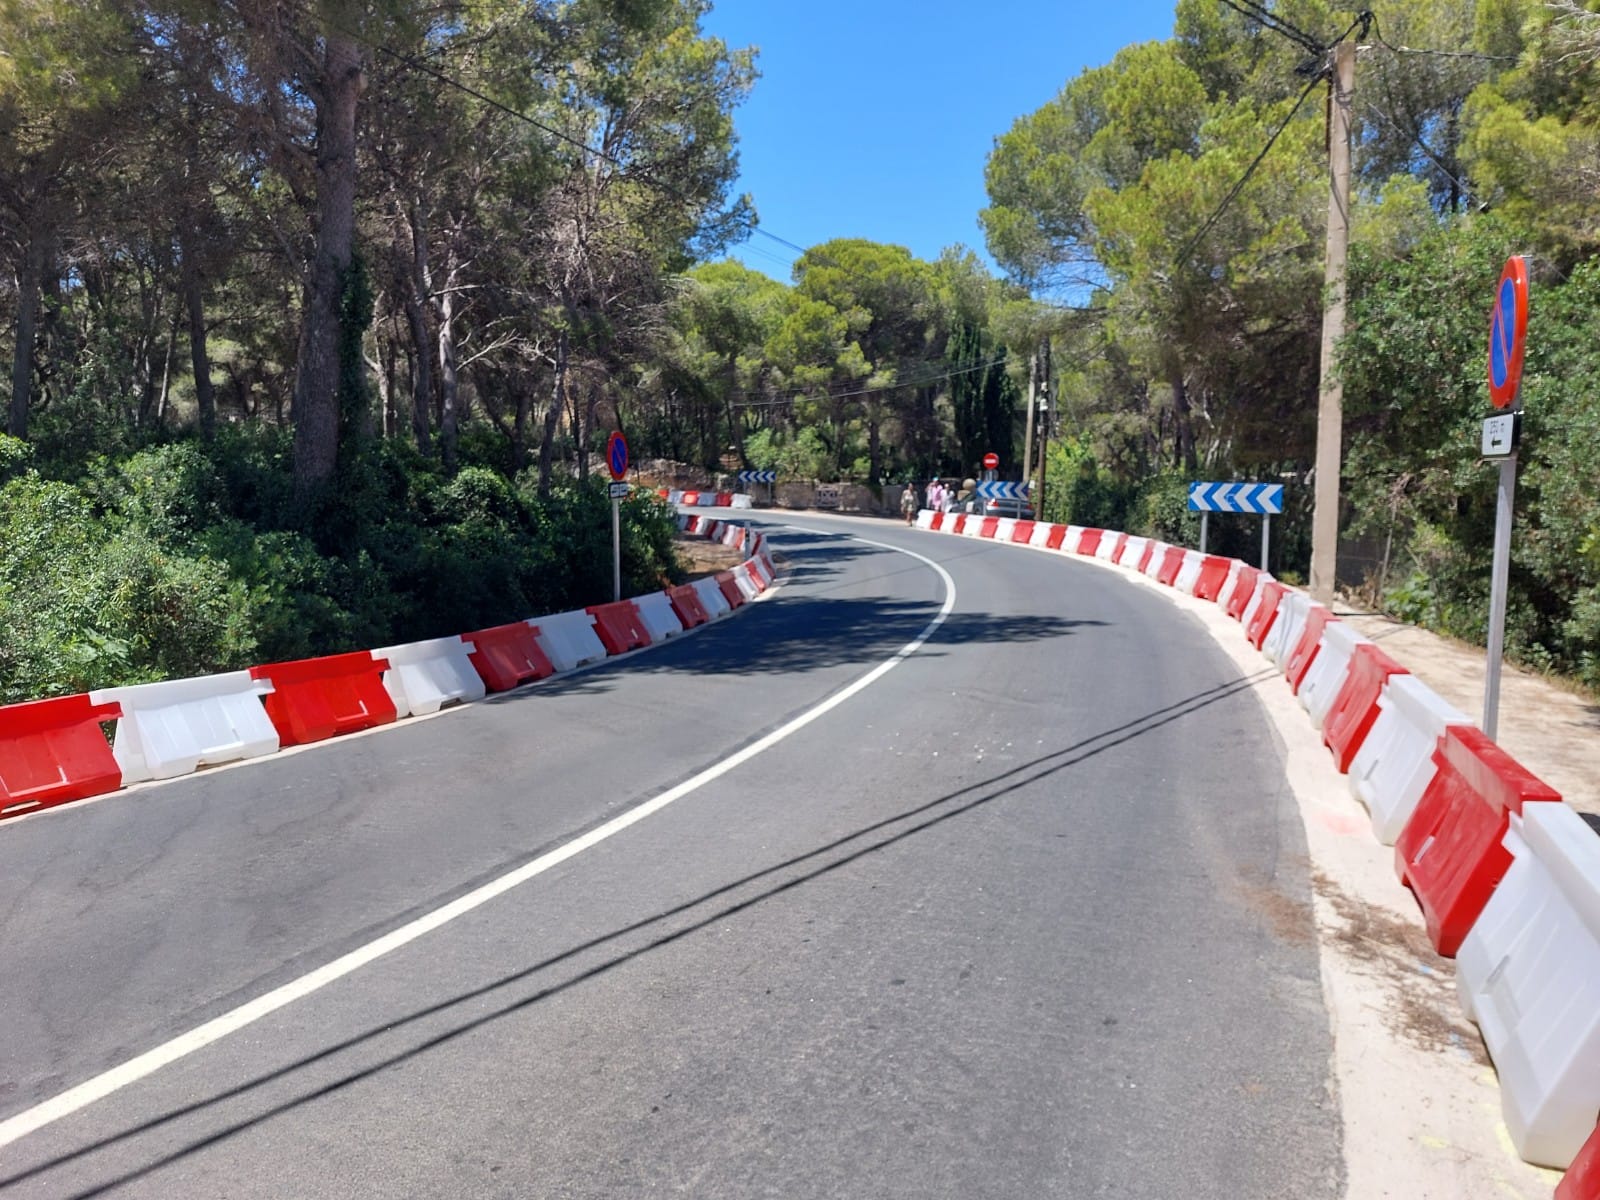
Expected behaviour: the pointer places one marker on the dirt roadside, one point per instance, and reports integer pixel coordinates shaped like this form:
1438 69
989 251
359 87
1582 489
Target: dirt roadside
700 558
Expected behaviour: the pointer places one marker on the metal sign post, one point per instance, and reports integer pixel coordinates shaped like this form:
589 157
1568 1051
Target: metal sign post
1508 337
617 462
1264 499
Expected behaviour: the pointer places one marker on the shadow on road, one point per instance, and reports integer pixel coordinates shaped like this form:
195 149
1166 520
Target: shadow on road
671 925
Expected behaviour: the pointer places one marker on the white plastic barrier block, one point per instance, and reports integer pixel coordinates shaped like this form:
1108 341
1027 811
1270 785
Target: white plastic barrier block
763 568
1133 552
1395 764
660 621
974 526
711 597
1285 633
1249 613
1189 573
741 576
740 500
730 534
925 518
425 676
1069 540
683 521
1158 554
674 496
569 639
1004 530
1108 544
1529 974
173 728
1325 677
1225 594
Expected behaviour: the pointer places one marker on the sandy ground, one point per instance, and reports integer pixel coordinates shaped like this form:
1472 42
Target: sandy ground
701 558
1546 727
1418 1095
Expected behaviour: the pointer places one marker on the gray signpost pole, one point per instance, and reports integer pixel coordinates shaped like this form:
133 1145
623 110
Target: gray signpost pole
1266 537
1204 518
616 549
1505 499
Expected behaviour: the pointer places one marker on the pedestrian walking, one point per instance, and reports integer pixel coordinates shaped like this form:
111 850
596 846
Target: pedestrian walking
908 503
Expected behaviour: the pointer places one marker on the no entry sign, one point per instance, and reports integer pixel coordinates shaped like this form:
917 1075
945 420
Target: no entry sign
1508 332
991 461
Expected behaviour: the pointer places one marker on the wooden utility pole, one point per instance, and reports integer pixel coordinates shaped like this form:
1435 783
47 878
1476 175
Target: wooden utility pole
1044 427
1330 403
1027 438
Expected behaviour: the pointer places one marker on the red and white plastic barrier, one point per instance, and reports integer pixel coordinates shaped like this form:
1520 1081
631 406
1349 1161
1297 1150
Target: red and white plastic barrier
425 676
175 727
1395 763
660 619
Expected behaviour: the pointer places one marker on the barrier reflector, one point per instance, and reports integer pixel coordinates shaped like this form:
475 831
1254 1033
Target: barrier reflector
731 590
317 698
569 639
1245 584
1022 532
1264 611
925 519
937 522
1451 852
1171 564
1529 974
686 604
1057 535
1089 542
1285 635
724 500
425 676
507 656
1582 1180
1130 552
1395 763
1300 658
1355 708
690 499
990 524
1110 542
619 626
659 618
750 587
175 727
711 597
53 751
1213 573
1189 571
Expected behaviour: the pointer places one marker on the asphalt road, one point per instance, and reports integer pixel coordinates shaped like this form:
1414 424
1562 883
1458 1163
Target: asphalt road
1025 916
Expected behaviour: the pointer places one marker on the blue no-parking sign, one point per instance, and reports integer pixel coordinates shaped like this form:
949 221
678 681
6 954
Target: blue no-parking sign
1508 332
617 454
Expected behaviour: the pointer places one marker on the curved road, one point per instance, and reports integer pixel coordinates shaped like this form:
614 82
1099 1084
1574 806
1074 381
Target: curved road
1025 915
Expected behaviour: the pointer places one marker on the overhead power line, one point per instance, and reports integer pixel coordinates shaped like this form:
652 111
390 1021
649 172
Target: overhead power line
1377 36
790 396
1267 19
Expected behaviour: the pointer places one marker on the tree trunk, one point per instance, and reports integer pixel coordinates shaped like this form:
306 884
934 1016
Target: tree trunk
316 376
449 417
552 417
1182 415
28 280
199 356
418 285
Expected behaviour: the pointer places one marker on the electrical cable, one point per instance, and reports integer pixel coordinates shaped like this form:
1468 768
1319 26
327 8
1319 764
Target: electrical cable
1377 35
794 394
1267 19
1421 145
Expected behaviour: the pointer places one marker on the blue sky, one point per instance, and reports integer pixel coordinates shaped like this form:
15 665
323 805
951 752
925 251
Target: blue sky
873 118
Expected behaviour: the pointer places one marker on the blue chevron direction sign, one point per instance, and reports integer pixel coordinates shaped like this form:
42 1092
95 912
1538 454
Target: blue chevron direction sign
758 477
1264 499
1003 490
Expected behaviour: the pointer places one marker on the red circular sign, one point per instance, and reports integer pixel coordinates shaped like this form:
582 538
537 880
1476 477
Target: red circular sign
1508 332
991 461
617 455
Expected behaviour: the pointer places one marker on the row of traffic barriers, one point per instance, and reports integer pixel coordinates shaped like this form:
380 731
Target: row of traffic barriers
56 751
693 499
1506 874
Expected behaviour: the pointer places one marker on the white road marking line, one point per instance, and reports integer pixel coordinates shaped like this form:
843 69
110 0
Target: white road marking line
214 1030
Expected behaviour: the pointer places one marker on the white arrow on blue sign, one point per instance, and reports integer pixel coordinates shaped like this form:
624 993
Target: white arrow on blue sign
1260 498
758 477
1003 490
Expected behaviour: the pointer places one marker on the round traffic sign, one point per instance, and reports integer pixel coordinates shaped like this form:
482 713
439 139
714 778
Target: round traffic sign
617 455
1508 332
991 461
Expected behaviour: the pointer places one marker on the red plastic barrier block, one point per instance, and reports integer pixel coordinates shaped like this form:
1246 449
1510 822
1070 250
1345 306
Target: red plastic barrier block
619 626
730 589
1089 541
710 530
739 535
1058 534
1243 588
1171 564
1213 574
316 698
990 524
1022 532
1356 707
690 498
1582 1180
507 656
1145 557
961 523
663 492
1266 613
1117 550
724 500
1450 852
685 602
1305 651
53 751
937 522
